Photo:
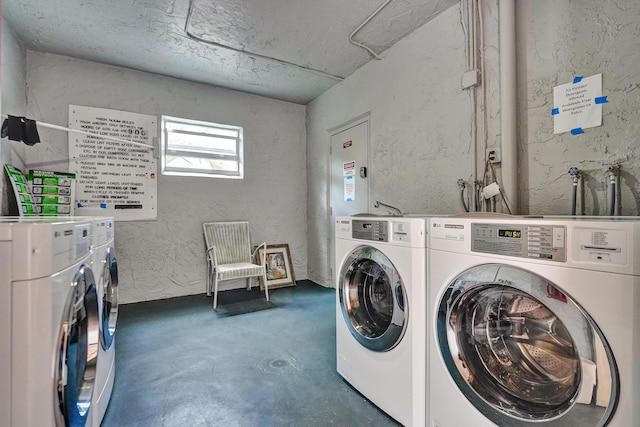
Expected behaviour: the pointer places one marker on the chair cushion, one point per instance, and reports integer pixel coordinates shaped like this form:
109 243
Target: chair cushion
239 270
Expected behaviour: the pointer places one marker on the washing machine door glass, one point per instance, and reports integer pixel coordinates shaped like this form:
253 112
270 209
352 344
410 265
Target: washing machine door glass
372 299
77 351
523 351
109 295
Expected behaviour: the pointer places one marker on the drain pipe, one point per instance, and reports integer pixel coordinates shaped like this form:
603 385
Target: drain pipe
575 174
508 106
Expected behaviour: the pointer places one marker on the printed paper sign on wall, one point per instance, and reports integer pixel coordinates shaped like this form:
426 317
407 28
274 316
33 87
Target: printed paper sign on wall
349 172
578 105
53 192
113 178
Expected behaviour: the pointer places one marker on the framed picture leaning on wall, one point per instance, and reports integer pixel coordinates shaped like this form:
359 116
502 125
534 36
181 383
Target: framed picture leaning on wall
279 266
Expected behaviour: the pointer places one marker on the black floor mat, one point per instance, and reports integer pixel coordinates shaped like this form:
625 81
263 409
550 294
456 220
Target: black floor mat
240 301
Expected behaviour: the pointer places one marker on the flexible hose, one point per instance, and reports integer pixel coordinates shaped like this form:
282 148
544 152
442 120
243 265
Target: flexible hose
582 209
612 190
464 203
577 176
618 195
574 196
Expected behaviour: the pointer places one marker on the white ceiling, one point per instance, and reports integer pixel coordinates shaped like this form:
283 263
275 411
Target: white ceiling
291 50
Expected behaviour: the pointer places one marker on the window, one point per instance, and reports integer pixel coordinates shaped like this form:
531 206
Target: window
196 148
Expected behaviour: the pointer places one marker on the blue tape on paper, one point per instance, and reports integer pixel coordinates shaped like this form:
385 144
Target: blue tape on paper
349 200
80 205
555 111
576 131
601 100
103 205
577 79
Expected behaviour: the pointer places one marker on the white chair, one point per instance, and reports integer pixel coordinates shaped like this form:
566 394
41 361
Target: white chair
229 256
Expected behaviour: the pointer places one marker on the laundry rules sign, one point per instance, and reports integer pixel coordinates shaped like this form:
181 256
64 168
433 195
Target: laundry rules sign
113 177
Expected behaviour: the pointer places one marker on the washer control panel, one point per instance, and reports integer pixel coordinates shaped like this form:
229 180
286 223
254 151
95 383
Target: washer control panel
539 241
377 231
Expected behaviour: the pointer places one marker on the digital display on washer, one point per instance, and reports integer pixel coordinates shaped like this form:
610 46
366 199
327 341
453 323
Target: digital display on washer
370 230
512 233
526 240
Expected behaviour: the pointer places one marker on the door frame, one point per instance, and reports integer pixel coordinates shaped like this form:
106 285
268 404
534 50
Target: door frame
331 239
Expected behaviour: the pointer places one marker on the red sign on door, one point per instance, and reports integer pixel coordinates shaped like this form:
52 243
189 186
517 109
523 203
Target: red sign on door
347 144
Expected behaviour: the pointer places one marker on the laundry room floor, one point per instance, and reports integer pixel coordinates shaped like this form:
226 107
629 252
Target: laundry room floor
252 363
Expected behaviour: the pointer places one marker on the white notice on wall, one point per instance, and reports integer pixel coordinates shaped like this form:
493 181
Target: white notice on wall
578 105
349 188
113 178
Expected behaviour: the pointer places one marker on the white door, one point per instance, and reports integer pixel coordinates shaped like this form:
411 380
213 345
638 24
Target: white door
349 177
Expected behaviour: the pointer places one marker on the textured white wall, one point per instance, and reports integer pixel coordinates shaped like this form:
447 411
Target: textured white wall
558 40
420 131
420 140
421 119
165 258
14 70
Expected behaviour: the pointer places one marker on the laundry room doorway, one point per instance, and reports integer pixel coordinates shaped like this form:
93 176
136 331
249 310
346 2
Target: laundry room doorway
349 176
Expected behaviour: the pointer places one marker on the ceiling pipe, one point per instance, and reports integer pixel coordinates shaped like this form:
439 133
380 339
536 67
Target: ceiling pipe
366 21
508 106
257 55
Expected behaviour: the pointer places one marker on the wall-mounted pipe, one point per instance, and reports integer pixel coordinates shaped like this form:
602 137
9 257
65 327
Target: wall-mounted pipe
463 185
395 210
618 192
612 191
508 106
575 174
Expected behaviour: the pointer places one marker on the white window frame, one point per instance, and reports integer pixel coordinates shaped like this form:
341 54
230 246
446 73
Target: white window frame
194 152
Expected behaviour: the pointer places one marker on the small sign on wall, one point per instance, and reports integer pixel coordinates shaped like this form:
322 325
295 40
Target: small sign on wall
578 105
349 188
349 173
53 192
22 203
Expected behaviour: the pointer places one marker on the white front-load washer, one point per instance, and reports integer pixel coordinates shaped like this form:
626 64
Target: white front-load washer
535 322
381 313
105 268
49 310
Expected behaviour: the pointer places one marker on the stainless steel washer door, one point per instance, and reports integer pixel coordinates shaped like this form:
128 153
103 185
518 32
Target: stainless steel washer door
77 351
109 298
373 299
518 348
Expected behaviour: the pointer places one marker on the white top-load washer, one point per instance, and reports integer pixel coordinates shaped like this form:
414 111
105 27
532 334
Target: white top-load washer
49 310
381 313
105 268
535 322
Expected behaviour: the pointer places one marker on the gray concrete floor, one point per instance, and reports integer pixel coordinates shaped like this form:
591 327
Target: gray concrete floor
251 364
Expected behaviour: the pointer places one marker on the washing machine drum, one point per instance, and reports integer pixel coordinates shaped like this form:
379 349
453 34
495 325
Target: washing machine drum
77 351
109 295
523 351
372 299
